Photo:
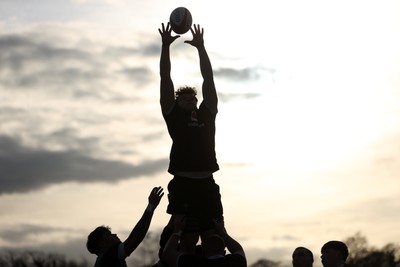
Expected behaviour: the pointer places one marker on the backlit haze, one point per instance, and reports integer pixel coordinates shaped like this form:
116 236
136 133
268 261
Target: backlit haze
308 129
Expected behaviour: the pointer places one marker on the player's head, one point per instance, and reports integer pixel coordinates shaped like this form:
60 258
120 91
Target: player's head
188 242
334 253
186 98
302 257
100 238
213 245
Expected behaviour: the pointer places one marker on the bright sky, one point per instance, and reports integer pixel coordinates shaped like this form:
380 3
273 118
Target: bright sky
308 127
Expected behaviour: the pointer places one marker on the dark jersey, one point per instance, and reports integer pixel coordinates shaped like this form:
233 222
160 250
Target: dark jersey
193 140
110 258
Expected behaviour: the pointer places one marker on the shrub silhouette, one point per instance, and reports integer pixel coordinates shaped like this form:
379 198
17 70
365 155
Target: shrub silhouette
30 258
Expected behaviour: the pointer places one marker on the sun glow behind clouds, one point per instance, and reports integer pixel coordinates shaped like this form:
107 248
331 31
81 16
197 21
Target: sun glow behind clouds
331 89
308 126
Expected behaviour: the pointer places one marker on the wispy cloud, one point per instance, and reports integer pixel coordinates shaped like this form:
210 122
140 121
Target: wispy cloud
242 75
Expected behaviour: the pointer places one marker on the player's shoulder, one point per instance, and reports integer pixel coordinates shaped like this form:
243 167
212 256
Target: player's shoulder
166 111
210 109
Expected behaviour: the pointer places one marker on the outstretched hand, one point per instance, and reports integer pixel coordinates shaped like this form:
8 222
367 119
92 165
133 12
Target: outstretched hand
155 196
165 33
197 36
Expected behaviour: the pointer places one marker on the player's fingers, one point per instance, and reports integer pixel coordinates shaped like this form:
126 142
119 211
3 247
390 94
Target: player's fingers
159 190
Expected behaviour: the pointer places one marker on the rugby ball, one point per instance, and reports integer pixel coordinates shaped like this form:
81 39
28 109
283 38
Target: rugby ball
180 20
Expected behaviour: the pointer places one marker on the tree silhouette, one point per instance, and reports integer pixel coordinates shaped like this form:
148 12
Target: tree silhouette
362 255
30 258
146 253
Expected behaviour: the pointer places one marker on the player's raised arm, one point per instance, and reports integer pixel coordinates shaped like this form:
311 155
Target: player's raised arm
232 245
140 230
167 93
210 97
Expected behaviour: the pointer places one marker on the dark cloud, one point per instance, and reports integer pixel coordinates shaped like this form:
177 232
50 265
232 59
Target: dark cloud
32 62
42 62
43 10
235 74
18 50
25 169
152 49
139 76
56 78
18 233
120 51
242 75
239 80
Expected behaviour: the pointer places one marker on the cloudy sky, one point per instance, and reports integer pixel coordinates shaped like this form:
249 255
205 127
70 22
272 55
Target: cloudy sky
308 130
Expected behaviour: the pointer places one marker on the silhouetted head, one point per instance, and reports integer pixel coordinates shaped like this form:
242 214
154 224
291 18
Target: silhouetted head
302 257
213 245
334 253
100 239
188 242
186 98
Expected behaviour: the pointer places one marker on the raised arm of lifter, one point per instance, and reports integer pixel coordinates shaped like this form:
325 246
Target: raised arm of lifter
142 226
167 92
231 244
208 89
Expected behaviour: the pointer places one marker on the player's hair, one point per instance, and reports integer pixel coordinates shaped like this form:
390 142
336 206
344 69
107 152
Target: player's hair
95 237
307 251
338 246
185 90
